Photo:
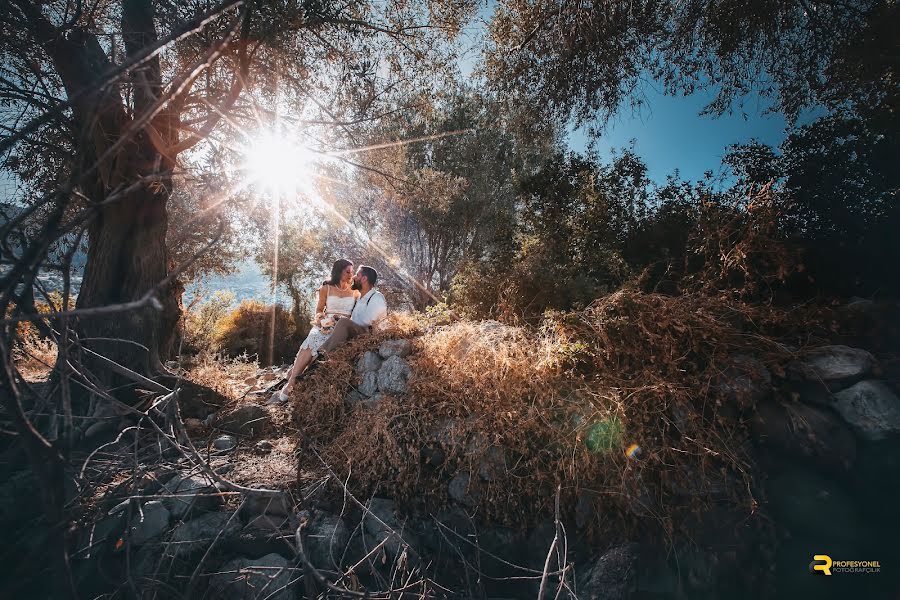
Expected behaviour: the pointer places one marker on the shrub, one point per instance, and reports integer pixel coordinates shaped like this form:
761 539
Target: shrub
248 329
200 323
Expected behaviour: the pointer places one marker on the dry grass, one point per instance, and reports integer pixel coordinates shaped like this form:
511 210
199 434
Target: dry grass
563 402
276 469
225 375
35 358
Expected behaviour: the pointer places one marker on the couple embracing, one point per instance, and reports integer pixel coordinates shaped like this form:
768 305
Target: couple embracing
349 305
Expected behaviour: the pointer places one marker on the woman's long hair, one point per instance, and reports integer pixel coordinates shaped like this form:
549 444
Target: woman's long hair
337 270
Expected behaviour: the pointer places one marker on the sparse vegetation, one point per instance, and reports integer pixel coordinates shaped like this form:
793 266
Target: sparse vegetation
249 329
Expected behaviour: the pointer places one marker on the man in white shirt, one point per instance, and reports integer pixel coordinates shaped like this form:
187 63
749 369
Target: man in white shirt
369 310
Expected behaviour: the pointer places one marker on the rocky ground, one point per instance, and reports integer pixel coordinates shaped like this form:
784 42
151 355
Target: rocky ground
826 446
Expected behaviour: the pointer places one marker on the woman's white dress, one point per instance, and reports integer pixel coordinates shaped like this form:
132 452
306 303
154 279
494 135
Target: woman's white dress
335 306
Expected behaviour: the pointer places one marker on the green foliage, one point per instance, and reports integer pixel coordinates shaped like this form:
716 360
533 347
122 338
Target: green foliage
836 180
604 436
450 197
201 323
575 216
566 59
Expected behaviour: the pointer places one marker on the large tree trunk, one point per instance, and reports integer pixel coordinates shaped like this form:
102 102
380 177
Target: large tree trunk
127 252
126 259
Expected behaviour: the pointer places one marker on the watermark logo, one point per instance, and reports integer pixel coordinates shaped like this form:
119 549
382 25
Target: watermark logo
824 564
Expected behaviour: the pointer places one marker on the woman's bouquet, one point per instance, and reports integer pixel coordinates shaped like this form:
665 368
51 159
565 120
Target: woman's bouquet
325 322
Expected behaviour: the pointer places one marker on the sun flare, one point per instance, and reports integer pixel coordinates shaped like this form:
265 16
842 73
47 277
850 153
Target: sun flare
279 166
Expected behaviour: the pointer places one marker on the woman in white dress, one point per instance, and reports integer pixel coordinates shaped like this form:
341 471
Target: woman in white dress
336 301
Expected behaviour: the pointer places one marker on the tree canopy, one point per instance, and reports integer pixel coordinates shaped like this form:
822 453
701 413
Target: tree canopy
580 60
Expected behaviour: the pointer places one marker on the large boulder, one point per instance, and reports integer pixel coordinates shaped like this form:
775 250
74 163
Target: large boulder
801 430
247 579
197 401
628 572
327 538
246 421
871 408
149 523
464 490
393 375
197 535
191 495
391 348
368 386
745 383
833 366
99 535
368 362
380 523
254 505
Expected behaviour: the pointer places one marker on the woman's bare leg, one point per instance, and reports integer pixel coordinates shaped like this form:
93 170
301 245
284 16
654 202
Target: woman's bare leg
304 358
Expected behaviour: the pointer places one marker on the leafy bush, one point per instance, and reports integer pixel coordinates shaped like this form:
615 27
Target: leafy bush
248 329
200 323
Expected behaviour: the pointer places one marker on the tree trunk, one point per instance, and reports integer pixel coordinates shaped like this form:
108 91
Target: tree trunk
127 258
126 241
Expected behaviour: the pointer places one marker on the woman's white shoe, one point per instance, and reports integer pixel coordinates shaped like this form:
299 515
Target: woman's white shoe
278 397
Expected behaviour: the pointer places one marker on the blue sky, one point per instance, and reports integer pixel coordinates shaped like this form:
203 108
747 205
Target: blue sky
669 134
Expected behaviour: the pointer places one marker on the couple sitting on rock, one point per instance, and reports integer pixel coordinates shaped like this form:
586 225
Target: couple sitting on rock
349 305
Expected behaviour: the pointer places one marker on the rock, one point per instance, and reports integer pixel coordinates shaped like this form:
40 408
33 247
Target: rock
225 443
381 523
197 401
224 469
492 463
538 543
102 534
373 402
801 430
248 579
369 384
834 366
246 421
370 361
745 382
808 504
432 455
254 505
871 408
463 490
258 539
263 446
198 534
327 537
627 572
510 545
393 375
148 523
271 525
858 306
612 576
190 495
390 348
145 565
